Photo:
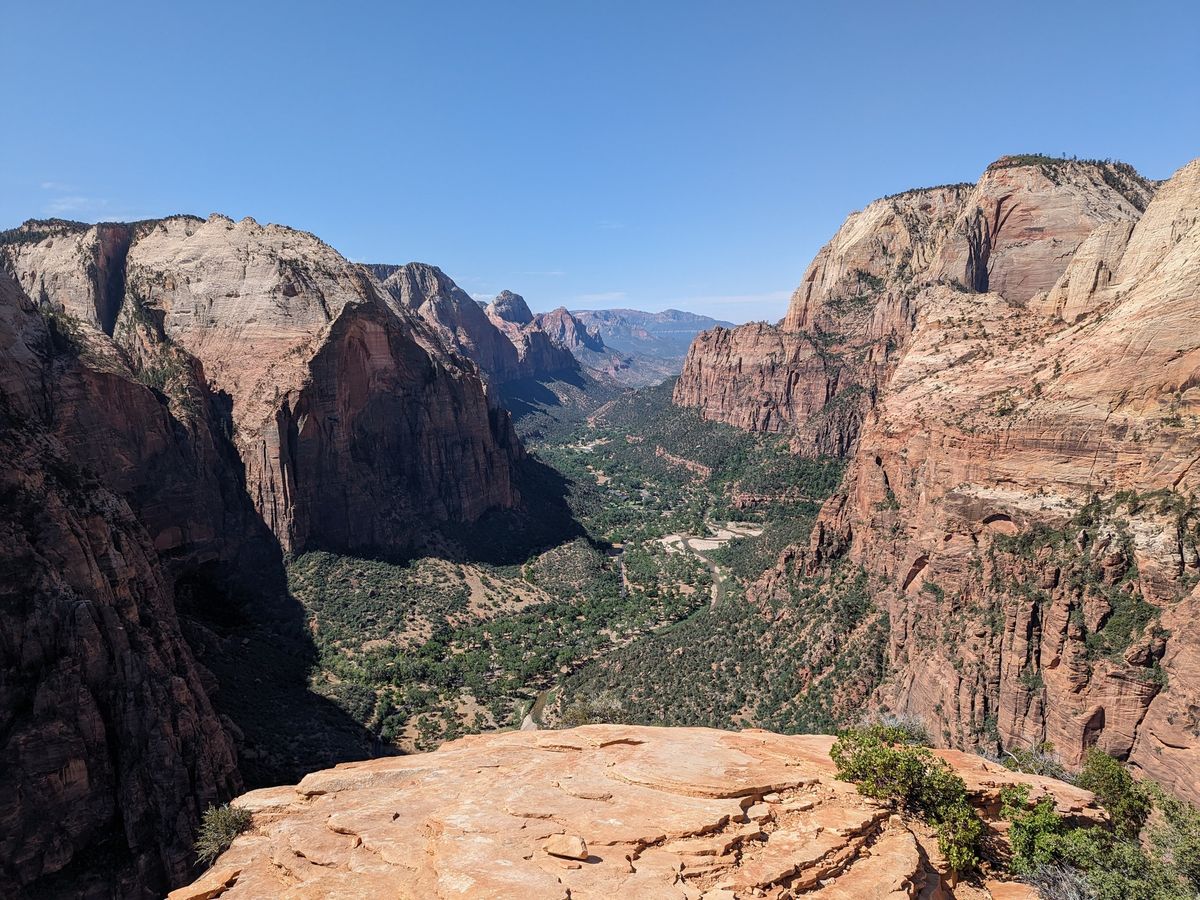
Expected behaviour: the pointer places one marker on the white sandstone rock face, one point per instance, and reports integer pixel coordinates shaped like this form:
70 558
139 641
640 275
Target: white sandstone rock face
356 422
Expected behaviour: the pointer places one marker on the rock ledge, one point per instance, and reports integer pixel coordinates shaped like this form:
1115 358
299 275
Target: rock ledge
643 812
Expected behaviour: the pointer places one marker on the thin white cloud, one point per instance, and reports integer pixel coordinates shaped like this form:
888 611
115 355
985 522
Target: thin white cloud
609 225
56 186
74 204
482 296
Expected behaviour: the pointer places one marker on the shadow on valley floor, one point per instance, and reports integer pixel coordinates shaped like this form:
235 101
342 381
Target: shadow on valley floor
507 537
550 405
256 642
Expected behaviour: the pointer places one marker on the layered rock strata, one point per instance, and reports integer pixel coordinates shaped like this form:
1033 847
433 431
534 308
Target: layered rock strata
110 747
1022 490
337 394
819 371
600 810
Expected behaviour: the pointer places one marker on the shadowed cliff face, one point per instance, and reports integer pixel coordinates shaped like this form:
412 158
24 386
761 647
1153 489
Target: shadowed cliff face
1022 494
110 745
268 319
250 389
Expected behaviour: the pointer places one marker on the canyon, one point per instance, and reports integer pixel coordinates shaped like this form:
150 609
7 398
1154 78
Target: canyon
270 512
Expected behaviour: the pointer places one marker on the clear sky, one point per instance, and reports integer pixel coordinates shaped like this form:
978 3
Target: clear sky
645 154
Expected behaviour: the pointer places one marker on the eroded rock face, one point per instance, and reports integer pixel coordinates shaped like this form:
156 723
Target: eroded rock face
539 353
109 745
261 315
460 321
659 812
1022 492
819 371
567 330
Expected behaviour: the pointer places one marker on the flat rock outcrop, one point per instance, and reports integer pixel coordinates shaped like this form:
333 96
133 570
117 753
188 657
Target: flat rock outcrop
601 810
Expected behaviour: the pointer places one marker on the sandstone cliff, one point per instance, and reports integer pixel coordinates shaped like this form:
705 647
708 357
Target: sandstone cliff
601 810
1022 492
819 370
336 392
541 355
187 397
460 321
567 330
109 745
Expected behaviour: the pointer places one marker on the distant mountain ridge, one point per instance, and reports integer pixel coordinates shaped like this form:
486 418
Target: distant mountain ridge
667 334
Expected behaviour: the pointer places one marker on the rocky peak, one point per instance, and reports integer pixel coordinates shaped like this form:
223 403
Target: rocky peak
1013 233
450 311
510 307
310 352
566 329
889 244
1026 217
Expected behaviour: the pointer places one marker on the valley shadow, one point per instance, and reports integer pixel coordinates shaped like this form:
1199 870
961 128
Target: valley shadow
253 637
542 520
526 396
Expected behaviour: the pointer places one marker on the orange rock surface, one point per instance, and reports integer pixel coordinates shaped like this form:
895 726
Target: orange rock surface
664 813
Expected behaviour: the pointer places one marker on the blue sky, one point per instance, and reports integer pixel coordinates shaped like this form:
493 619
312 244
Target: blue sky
687 154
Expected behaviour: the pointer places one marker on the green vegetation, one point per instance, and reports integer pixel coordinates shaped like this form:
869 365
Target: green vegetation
218 828
803 660
1039 760
1125 862
1126 801
885 766
425 650
1094 551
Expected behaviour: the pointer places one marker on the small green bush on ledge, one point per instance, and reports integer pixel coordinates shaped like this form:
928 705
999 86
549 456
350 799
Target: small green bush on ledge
220 825
1128 861
883 766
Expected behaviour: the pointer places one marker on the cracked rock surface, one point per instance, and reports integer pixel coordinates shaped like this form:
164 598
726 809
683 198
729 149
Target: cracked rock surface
661 812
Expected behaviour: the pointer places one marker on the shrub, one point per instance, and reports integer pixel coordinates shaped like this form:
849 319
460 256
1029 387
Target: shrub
912 778
1038 760
1176 836
1126 801
1060 883
1033 832
896 729
218 828
1066 862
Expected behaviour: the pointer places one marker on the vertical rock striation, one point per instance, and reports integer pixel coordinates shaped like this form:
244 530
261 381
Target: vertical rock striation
110 746
262 317
1022 491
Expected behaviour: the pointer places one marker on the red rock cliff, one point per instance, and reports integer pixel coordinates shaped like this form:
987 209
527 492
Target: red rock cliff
1022 493
264 316
109 745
